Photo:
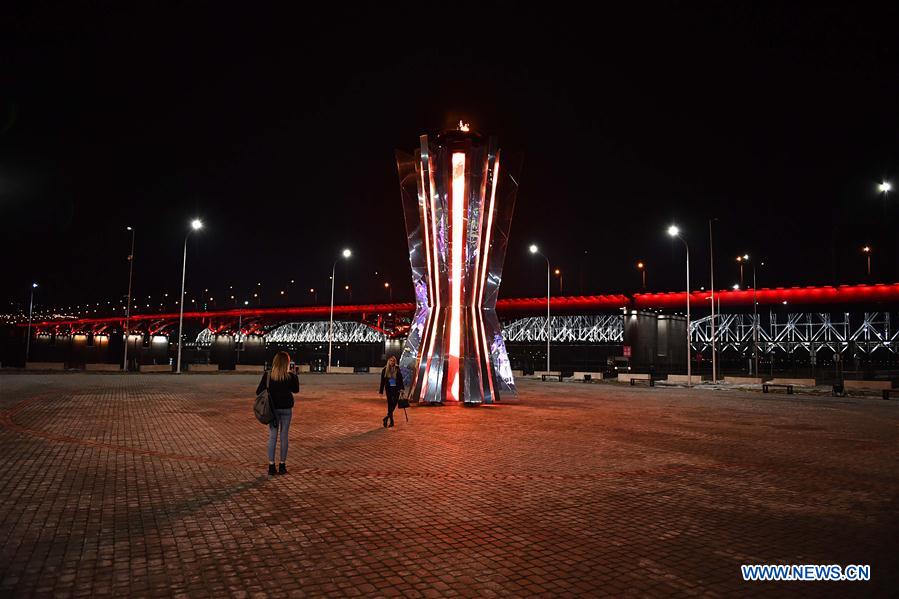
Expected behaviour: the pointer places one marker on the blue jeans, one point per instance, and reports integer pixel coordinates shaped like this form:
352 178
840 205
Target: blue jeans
282 421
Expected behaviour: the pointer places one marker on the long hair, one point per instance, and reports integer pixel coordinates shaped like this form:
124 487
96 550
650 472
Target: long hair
391 369
280 365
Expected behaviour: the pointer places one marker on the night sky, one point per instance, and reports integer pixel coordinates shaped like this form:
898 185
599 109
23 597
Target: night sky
279 130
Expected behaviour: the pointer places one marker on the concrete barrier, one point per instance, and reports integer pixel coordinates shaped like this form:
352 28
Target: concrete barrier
877 385
342 370
594 376
102 367
682 378
794 382
155 368
304 368
203 368
258 368
518 373
45 366
744 380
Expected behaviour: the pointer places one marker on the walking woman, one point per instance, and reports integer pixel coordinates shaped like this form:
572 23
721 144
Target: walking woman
392 381
282 384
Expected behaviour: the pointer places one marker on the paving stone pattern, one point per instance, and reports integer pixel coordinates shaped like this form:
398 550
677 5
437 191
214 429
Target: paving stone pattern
155 485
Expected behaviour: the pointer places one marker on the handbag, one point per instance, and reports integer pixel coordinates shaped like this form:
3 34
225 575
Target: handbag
262 408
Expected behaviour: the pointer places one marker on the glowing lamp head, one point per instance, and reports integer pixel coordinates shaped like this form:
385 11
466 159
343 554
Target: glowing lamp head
386 284
465 127
673 230
347 253
128 229
196 224
867 249
640 265
533 249
885 186
557 271
34 285
736 287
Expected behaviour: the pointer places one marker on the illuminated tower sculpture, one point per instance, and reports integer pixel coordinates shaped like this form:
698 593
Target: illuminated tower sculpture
458 198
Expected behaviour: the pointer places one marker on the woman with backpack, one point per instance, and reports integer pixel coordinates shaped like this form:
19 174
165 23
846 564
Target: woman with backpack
282 384
392 381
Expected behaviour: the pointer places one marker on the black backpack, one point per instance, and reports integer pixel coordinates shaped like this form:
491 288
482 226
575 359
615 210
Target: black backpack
263 409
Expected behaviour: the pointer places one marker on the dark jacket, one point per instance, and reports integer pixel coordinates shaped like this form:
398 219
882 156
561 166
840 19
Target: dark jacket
386 385
281 391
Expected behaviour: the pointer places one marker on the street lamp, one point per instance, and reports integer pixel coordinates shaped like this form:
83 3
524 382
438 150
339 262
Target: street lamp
195 225
345 254
755 316
740 261
128 305
30 310
674 231
389 291
642 268
558 273
867 251
314 295
535 250
885 188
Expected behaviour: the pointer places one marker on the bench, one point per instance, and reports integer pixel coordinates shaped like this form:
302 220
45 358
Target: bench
635 380
551 374
787 386
888 392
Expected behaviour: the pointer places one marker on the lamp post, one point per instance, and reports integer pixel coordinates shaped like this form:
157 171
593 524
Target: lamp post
30 310
867 251
885 188
345 254
674 231
239 342
740 261
535 250
314 295
128 304
712 279
642 268
195 225
558 273
389 291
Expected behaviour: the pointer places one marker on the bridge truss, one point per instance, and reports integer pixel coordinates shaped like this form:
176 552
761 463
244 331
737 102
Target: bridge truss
805 332
309 332
808 332
607 328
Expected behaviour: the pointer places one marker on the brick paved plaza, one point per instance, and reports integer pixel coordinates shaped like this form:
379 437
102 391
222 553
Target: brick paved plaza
155 486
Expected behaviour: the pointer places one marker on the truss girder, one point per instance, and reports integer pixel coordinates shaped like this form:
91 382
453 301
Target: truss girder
808 332
566 329
309 332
